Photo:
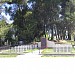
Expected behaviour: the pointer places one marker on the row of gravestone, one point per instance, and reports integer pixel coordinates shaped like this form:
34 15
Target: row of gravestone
22 48
56 47
19 49
62 48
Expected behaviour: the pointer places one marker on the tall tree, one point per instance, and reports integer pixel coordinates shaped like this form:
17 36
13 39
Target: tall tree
45 12
4 28
42 15
25 25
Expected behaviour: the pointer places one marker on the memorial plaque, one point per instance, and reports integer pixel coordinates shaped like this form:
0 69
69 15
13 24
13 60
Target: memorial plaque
43 43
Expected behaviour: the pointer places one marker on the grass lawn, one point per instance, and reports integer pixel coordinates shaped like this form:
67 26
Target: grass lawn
73 50
30 50
8 55
47 51
56 56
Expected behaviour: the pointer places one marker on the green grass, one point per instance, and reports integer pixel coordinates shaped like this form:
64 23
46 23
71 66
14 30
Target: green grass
47 51
8 55
29 51
56 56
73 50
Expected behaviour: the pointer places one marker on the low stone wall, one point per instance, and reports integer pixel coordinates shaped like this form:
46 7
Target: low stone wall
50 44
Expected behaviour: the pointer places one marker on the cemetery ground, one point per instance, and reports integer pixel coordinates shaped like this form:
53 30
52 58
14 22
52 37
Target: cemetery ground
48 52
12 53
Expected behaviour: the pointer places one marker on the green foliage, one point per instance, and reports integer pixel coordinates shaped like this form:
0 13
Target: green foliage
4 28
25 25
7 55
30 24
45 12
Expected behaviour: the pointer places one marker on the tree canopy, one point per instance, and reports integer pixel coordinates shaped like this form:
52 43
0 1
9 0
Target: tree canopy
36 18
43 16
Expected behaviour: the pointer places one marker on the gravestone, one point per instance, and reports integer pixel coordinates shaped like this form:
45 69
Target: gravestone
63 48
43 43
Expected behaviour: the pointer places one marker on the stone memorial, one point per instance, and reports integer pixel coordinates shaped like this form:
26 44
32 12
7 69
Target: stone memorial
43 43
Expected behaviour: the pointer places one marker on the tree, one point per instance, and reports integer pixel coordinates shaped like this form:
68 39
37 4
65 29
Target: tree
4 28
69 18
46 13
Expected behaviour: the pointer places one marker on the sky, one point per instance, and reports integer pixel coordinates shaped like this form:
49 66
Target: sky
7 12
